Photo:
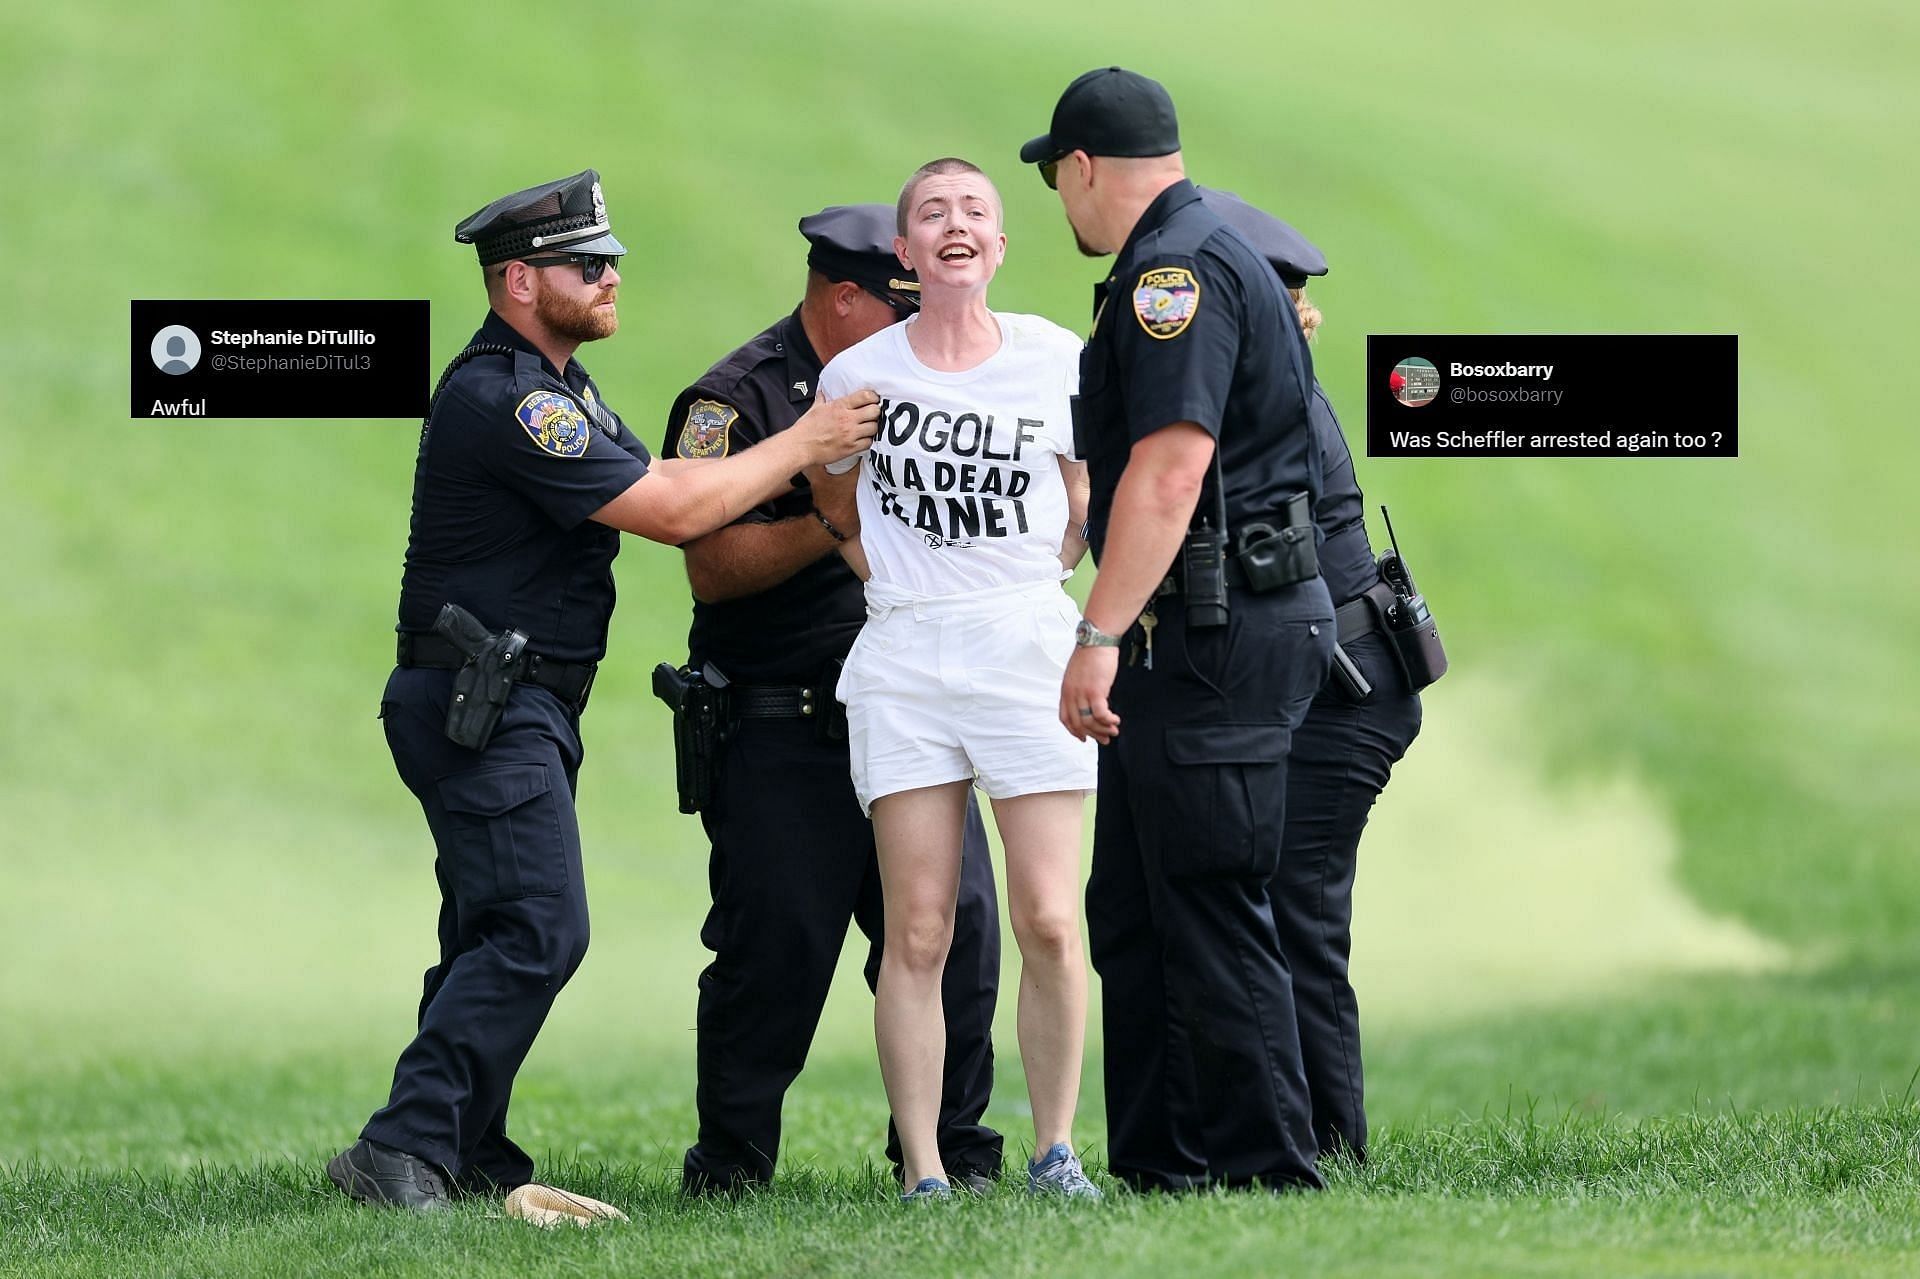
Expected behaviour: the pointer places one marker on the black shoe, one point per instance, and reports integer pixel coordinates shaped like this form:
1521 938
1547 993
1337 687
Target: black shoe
370 1173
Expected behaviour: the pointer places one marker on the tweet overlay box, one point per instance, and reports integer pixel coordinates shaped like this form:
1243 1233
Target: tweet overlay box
271 359
1552 395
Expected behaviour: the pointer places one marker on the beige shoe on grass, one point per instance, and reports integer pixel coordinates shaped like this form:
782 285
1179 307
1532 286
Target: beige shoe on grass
550 1206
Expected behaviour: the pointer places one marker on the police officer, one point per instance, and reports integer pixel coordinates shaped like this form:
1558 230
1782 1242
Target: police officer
523 482
775 611
1343 752
1193 417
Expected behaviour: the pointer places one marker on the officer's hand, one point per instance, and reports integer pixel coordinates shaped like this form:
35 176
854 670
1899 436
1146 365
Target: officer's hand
1084 688
842 428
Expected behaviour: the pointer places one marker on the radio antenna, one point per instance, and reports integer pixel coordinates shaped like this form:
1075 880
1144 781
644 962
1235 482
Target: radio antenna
1391 539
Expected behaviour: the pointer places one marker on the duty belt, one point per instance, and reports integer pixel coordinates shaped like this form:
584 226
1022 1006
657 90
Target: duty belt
569 681
1358 616
771 701
1236 578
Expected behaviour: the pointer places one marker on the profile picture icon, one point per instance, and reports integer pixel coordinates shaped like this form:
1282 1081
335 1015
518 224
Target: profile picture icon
175 349
1414 382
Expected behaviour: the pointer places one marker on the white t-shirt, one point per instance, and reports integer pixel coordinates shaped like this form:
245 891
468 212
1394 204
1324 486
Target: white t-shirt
962 489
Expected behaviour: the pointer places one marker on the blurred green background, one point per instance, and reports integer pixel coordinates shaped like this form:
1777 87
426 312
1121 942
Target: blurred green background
1654 854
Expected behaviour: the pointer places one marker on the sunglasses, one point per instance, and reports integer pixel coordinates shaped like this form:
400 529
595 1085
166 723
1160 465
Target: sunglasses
1050 170
901 305
592 265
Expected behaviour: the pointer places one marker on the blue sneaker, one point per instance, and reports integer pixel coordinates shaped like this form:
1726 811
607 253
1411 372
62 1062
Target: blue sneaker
1058 1172
929 1188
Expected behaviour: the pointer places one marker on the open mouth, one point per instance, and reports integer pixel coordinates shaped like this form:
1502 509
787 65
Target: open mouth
957 253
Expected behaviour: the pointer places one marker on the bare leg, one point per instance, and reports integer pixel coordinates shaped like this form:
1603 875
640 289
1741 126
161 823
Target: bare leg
1042 838
917 834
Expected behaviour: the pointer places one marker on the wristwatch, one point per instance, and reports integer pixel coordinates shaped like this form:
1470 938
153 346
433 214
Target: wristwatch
1087 635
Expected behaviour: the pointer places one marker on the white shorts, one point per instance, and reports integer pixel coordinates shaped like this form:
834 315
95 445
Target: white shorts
964 687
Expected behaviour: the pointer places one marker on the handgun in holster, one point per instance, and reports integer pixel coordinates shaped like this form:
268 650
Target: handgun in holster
700 727
485 679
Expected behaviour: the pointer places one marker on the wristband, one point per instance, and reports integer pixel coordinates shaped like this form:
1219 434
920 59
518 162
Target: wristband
827 524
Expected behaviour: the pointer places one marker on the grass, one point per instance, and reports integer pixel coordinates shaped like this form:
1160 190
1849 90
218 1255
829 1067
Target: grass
1636 920
1788 1193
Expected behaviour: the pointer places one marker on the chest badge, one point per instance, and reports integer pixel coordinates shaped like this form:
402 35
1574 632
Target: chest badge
554 423
704 434
1165 301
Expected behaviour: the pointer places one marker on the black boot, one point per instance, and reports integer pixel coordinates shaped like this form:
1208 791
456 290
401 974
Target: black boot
380 1175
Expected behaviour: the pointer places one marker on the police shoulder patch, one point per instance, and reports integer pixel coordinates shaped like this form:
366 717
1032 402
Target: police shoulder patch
554 422
1166 300
704 434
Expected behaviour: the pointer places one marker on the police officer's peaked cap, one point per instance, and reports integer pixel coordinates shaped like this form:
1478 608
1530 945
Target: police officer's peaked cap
1109 111
855 242
1292 254
567 216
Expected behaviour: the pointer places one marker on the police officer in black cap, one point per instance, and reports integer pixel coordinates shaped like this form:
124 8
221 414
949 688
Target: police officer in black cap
522 485
775 611
1206 636
1359 726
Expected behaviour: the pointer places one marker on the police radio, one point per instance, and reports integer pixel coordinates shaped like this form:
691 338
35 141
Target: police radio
1408 621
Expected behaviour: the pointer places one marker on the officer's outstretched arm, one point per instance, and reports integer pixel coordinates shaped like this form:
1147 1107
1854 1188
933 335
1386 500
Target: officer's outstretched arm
679 504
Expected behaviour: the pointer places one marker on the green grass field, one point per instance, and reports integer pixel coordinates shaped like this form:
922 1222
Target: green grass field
1637 919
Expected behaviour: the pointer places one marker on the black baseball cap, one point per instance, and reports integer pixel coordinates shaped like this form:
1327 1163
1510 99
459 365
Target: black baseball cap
1109 111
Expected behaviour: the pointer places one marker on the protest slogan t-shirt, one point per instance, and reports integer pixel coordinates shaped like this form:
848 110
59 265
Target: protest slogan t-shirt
962 489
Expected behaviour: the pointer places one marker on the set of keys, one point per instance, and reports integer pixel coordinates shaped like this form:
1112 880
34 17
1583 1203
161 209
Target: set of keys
1144 650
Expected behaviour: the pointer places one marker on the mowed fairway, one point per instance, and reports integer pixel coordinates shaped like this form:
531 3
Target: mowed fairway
1637 920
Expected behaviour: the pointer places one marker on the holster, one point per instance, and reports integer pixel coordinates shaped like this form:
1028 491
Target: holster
700 727
485 679
1270 557
1402 613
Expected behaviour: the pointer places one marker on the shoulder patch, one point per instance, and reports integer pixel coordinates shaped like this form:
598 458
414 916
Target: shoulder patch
704 434
554 423
1166 300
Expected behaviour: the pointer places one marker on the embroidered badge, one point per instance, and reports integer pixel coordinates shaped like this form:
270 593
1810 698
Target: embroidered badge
554 423
705 432
1165 301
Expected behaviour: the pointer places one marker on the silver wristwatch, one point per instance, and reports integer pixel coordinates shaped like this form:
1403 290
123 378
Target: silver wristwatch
1087 635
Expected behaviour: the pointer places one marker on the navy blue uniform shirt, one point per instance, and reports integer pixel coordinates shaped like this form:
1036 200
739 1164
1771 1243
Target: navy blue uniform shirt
787 633
1193 326
514 459
1346 557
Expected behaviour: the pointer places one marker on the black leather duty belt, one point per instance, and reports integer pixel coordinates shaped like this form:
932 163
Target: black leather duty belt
1357 616
569 681
1171 584
772 701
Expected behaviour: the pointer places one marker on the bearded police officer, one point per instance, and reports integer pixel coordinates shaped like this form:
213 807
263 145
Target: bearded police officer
1359 726
1206 636
522 485
775 611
